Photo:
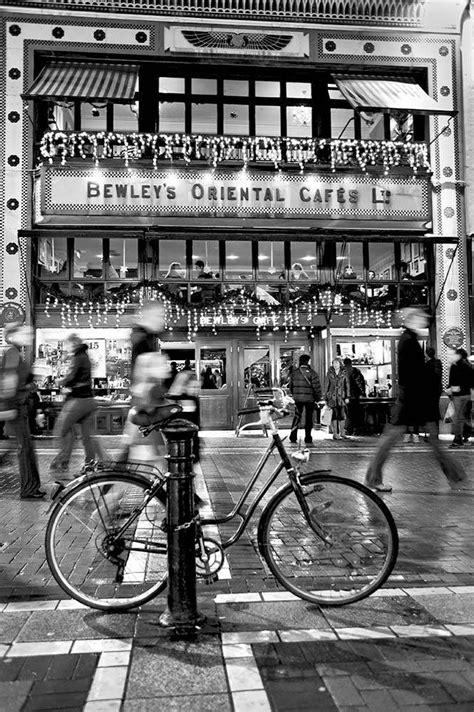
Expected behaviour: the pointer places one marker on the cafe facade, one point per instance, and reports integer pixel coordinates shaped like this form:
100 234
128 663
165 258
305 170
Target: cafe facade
281 184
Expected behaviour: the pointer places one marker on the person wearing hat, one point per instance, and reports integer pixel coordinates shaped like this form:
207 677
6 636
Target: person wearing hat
78 408
410 407
19 376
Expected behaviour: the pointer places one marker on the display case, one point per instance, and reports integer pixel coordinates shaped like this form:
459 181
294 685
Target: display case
375 358
110 355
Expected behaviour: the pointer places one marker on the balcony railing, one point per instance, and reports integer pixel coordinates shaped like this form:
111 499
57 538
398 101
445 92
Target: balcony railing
62 146
391 12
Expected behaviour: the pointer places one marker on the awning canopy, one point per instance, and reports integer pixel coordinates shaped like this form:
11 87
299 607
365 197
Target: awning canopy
387 95
82 80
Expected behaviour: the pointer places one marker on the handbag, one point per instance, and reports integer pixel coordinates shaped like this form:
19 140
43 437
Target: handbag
326 415
449 415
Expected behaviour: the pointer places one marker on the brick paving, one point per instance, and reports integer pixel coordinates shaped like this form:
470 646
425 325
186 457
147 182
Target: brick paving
409 648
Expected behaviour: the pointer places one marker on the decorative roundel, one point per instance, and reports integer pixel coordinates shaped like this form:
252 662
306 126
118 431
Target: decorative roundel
369 47
12 248
330 46
58 32
445 91
99 35
11 293
13 160
452 295
15 30
447 172
14 73
449 253
14 117
443 50
453 337
12 204
405 49
12 313
449 212
141 37
446 131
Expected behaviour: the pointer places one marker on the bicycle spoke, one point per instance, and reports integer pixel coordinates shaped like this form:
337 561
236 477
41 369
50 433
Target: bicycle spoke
349 555
117 557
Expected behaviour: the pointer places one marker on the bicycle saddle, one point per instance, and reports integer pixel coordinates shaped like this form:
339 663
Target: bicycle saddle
146 415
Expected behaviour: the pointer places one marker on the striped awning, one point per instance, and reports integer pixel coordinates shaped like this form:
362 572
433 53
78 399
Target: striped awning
387 95
82 80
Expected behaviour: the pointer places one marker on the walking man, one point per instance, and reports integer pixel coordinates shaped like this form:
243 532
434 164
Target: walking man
410 406
78 408
305 387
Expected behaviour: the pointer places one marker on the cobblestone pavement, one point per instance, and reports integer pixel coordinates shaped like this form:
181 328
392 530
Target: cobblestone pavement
408 647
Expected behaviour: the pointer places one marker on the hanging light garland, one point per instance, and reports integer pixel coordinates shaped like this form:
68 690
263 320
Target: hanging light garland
215 150
236 308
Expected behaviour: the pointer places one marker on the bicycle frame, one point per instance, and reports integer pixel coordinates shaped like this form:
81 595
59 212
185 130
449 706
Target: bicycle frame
284 464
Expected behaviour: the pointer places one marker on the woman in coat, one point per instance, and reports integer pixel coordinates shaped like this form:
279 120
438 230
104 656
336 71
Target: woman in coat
337 397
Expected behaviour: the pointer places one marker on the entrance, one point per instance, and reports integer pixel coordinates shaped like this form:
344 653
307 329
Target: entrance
230 369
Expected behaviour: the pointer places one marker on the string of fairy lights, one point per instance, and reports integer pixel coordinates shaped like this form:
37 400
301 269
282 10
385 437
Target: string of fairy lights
234 309
305 152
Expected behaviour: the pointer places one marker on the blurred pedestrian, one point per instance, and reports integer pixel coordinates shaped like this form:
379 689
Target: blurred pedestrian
16 379
433 390
173 374
185 390
461 380
305 387
356 384
409 407
150 323
79 407
337 397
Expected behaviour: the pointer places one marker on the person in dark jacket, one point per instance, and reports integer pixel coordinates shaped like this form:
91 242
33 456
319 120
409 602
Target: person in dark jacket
409 407
337 397
78 408
461 380
356 384
19 336
433 389
305 387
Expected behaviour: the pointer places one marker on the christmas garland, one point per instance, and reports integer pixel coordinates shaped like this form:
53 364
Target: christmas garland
215 150
238 306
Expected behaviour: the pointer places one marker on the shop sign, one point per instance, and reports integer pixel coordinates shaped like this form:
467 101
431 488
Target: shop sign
241 194
234 320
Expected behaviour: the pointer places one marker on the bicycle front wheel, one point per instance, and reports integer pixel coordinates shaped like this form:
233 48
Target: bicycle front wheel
106 544
354 552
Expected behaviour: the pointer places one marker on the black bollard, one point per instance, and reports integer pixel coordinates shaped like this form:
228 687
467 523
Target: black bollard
181 613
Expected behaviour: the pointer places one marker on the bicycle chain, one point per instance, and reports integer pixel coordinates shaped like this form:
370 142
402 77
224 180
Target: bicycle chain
186 525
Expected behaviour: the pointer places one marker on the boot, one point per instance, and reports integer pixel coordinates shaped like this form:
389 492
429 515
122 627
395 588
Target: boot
342 430
336 434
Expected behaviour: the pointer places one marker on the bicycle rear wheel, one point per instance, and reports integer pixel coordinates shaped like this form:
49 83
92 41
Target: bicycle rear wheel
362 547
105 542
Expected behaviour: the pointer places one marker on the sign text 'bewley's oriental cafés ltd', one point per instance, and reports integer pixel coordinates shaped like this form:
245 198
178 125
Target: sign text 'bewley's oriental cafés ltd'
144 192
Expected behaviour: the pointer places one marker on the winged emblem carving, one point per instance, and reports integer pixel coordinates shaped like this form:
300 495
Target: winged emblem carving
236 40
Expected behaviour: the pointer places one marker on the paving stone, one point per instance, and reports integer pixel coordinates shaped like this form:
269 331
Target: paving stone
11 625
269 616
82 624
175 666
182 703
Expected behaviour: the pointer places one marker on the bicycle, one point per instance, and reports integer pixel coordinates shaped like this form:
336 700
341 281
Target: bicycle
327 539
